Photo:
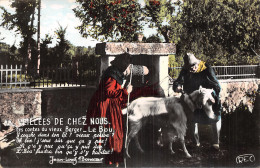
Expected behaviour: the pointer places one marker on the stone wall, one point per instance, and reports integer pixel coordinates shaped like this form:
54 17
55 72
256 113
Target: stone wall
48 102
73 102
240 117
66 102
238 91
19 103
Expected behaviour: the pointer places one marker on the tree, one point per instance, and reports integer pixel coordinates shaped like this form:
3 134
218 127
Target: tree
1 38
153 39
220 31
61 55
38 36
120 20
158 15
45 58
114 20
22 21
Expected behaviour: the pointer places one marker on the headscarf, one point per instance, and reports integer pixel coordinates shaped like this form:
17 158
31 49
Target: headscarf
201 67
118 66
190 60
121 61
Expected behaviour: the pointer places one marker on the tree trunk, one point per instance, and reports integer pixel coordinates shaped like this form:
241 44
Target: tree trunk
38 37
29 50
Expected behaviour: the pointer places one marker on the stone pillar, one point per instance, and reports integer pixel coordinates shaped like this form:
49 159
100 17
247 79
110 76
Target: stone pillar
104 63
163 75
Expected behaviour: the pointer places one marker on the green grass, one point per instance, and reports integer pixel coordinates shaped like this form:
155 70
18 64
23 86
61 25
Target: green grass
19 77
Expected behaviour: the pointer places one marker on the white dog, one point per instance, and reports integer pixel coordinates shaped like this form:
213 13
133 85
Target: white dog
174 108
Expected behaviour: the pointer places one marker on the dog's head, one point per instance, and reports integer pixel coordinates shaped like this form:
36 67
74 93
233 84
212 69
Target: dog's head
205 97
205 101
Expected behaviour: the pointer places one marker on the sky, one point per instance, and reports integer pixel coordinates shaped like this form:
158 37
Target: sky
53 14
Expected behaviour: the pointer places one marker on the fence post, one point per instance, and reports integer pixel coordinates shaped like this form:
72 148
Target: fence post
52 69
258 71
11 77
43 77
2 76
80 76
15 79
6 75
21 67
47 71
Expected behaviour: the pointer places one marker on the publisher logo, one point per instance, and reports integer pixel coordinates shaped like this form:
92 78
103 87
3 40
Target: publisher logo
245 158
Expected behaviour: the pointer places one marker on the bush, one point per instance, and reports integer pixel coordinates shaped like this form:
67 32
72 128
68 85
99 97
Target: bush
239 127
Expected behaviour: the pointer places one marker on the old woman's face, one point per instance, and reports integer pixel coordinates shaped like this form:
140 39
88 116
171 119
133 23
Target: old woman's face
194 68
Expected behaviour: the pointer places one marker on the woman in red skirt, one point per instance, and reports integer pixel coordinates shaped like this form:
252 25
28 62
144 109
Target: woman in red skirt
107 103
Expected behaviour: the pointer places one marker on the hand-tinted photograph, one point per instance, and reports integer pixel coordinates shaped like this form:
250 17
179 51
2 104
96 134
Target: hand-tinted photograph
129 83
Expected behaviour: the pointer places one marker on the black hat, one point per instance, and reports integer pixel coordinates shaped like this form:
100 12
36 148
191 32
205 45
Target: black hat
122 61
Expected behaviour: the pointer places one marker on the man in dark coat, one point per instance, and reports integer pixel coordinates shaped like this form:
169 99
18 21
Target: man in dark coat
196 73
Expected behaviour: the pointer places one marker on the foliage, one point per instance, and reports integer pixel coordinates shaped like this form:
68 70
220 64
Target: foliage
58 56
1 38
62 57
153 39
119 20
9 54
239 127
115 20
219 31
79 51
87 64
46 59
22 21
158 14
174 61
4 47
4 53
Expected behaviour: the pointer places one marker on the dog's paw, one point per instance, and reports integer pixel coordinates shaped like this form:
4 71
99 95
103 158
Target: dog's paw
141 150
215 146
188 155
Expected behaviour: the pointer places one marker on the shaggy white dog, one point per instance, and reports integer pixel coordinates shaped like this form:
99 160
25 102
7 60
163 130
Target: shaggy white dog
174 108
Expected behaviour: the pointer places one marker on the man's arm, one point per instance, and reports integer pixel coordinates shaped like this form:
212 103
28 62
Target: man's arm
213 81
177 84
